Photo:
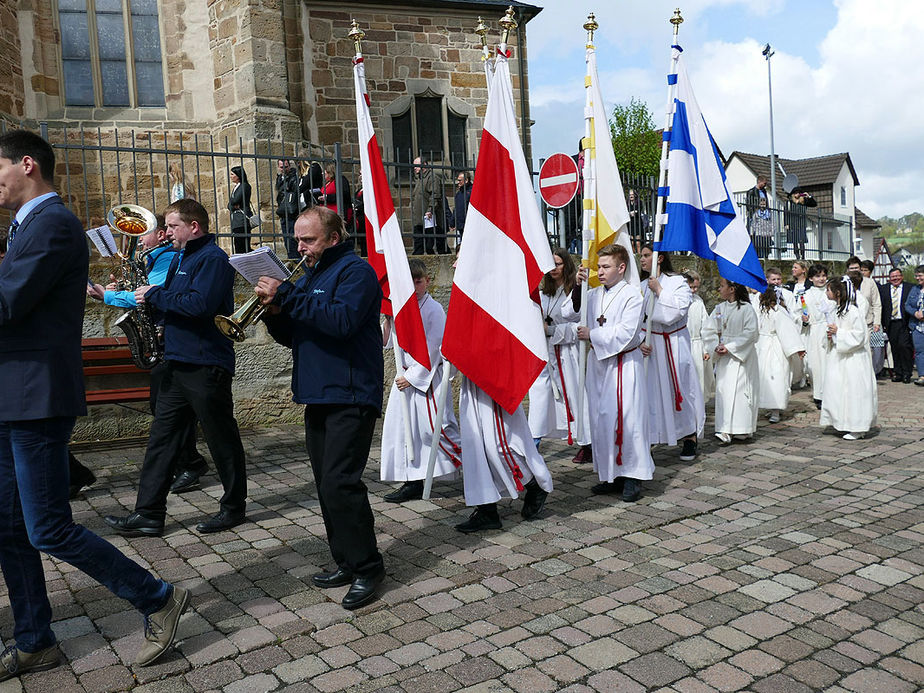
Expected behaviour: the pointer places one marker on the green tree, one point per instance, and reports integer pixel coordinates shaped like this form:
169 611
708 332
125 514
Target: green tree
636 143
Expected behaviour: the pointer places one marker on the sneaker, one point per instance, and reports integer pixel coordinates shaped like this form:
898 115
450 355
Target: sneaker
919 381
15 662
688 453
724 438
853 436
160 627
774 416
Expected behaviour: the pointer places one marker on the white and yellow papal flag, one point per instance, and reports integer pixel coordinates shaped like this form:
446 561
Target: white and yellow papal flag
608 218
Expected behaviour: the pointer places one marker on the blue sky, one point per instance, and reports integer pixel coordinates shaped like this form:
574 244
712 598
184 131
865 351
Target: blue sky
838 80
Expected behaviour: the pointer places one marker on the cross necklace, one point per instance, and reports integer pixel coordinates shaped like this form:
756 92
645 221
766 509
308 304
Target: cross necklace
602 318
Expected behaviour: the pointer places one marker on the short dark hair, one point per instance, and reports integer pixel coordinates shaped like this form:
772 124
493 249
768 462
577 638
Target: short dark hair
919 269
418 268
190 211
895 269
619 253
868 265
16 144
774 270
853 260
855 278
161 222
330 221
817 269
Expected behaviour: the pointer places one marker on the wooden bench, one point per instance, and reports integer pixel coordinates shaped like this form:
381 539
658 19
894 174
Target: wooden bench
109 375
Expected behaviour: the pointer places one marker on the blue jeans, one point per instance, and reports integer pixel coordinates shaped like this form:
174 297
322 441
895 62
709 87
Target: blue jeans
35 515
917 338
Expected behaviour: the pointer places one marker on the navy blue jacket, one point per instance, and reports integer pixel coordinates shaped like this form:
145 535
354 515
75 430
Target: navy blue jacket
43 292
199 286
330 318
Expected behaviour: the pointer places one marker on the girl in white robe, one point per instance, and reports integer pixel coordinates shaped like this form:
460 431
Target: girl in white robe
696 321
675 400
615 383
816 315
419 386
778 342
731 334
851 399
553 398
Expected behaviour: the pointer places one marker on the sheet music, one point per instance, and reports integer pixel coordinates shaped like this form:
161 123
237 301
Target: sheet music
103 240
262 262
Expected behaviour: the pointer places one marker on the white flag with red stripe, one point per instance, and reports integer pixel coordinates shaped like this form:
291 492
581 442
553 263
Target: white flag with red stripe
385 246
494 331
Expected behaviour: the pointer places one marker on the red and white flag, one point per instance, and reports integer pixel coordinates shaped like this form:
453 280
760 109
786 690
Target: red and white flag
384 244
494 331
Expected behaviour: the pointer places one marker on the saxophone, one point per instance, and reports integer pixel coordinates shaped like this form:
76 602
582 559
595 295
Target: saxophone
144 338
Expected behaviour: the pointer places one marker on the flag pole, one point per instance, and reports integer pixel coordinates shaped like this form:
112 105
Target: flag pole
482 30
590 213
441 401
357 35
676 20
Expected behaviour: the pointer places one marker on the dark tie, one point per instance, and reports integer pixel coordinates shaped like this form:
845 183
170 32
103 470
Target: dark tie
11 234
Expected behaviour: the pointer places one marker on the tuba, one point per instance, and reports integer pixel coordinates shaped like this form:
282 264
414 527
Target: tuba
233 326
144 340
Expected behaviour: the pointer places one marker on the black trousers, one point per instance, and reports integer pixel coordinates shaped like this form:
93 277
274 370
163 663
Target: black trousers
338 438
902 350
428 241
189 457
188 391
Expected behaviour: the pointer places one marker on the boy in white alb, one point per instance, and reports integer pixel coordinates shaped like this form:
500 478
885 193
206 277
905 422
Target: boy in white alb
419 386
615 382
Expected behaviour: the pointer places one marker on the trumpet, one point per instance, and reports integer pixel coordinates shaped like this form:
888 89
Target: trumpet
233 326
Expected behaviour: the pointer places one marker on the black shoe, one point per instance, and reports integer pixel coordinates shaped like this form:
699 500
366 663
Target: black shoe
135 525
484 517
338 578
220 522
533 501
411 490
907 380
362 591
187 480
817 403
688 453
608 488
632 490
78 484
896 378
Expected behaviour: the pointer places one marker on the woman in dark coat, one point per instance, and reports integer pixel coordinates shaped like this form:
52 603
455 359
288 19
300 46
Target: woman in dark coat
241 211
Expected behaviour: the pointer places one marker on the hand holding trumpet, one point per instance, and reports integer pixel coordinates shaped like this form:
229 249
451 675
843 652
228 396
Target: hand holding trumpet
266 289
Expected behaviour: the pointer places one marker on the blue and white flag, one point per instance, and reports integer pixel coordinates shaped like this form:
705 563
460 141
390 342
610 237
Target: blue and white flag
701 215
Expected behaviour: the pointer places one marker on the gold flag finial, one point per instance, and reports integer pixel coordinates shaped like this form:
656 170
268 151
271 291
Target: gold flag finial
482 31
357 35
508 23
590 26
676 20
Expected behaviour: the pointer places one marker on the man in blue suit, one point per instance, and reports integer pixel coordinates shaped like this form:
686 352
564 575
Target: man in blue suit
42 297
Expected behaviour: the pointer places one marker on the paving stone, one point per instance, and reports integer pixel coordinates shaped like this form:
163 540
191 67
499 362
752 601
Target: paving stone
867 680
655 669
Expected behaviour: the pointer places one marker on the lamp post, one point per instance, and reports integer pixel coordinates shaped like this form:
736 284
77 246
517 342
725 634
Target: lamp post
768 53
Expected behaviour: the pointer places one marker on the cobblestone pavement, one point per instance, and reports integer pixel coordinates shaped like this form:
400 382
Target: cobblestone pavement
789 564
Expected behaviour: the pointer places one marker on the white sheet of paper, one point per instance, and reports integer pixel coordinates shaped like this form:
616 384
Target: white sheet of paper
103 240
262 262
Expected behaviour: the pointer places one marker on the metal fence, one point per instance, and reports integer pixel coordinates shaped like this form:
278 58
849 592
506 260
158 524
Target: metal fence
796 232
98 169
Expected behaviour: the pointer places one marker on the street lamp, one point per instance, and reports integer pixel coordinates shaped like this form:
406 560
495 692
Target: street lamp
768 53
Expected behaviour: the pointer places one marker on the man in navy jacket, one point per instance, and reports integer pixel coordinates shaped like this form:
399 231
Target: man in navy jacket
895 323
330 319
42 298
197 379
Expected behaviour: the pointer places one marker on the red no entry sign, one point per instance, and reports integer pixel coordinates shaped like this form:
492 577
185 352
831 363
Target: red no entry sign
558 180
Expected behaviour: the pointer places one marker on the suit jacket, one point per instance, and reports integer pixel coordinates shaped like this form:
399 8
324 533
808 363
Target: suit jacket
885 292
43 282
